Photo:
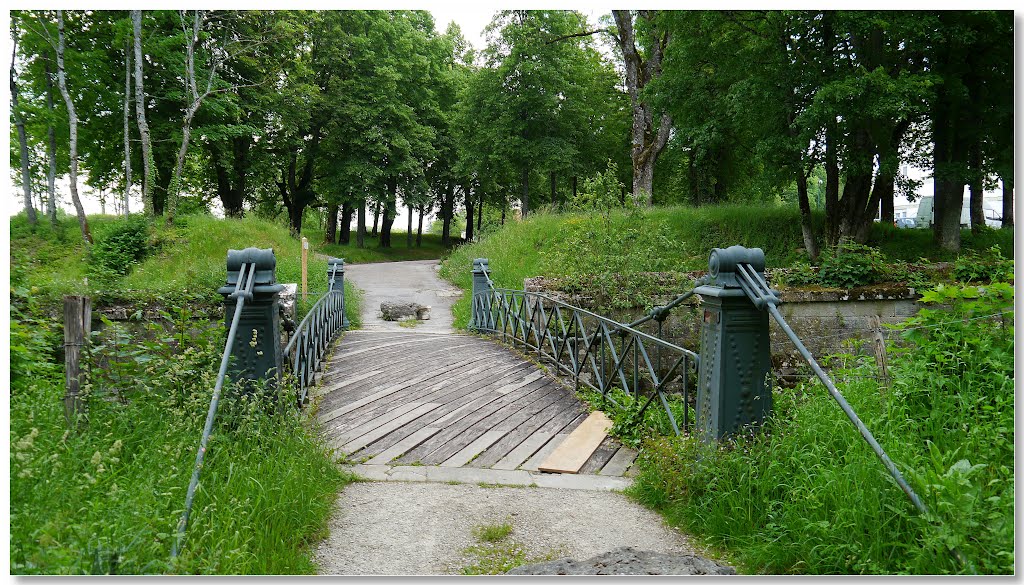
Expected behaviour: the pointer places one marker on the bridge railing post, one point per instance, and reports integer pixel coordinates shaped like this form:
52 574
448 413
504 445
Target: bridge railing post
480 286
256 352
336 282
734 386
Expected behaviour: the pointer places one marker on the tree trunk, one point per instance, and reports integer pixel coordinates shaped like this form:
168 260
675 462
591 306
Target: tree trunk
479 213
83 223
389 211
554 189
376 218
331 231
831 187
574 187
19 122
949 188
447 205
297 188
346 224
419 229
1007 201
148 164
503 209
525 198
408 232
127 132
977 189
51 151
469 216
806 226
361 225
648 141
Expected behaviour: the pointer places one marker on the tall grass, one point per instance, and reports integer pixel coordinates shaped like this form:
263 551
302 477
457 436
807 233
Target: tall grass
431 249
106 496
807 495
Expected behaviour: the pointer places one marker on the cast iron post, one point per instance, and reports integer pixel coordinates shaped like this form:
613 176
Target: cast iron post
336 281
734 386
257 353
480 270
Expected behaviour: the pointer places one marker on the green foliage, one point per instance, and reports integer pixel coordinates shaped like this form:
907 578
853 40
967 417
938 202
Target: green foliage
106 497
118 248
631 426
851 265
807 495
601 192
986 266
497 553
492 532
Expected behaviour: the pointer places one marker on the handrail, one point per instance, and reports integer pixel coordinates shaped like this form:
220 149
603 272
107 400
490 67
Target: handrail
241 295
582 343
308 345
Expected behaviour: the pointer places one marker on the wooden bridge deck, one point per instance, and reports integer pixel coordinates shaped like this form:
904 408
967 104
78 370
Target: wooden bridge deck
408 398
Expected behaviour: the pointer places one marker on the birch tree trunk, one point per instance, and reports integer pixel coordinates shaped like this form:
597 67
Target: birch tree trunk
127 133
648 139
51 150
83 223
197 100
19 122
140 116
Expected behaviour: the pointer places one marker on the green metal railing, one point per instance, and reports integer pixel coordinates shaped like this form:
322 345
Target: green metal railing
597 352
308 345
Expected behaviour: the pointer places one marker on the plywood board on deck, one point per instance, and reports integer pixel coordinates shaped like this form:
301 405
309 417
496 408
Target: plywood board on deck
574 451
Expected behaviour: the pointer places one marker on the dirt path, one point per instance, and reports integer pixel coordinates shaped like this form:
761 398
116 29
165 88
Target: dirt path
397 528
415 281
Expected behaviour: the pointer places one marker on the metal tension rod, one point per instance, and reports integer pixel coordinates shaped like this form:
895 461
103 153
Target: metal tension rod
242 293
763 298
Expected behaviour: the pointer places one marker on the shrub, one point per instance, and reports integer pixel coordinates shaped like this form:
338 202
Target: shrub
122 245
986 266
852 265
600 192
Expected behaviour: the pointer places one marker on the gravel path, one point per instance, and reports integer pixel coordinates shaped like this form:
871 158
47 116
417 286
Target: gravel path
395 528
415 281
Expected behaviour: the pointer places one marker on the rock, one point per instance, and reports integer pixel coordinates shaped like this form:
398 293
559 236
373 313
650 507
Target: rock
391 311
627 560
286 298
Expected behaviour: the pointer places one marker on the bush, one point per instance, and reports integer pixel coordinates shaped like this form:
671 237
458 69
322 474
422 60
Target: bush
851 265
123 244
600 192
986 266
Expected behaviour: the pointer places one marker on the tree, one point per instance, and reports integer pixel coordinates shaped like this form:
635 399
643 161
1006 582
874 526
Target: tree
148 163
19 123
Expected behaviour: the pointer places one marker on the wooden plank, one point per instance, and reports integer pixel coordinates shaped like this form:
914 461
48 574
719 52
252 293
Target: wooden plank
570 456
601 456
347 354
619 462
345 435
537 421
450 438
473 449
77 325
517 385
523 451
327 389
482 421
360 442
404 445
542 454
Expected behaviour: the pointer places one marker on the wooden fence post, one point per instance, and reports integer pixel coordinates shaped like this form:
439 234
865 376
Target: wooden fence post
305 256
77 328
881 357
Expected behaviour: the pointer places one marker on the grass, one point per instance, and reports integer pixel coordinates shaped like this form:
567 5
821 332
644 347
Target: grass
496 552
807 495
106 497
409 323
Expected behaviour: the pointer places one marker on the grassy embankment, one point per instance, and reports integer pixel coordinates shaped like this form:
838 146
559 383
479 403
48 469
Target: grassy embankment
607 254
105 497
807 495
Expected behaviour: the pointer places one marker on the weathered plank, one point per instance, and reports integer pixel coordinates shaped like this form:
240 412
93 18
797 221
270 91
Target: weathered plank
525 430
522 452
404 445
345 435
570 456
360 442
620 462
472 450
532 463
601 456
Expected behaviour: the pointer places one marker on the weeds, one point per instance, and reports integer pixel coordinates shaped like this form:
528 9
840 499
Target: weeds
496 552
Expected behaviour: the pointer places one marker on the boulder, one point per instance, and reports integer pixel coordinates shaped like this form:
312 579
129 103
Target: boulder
396 311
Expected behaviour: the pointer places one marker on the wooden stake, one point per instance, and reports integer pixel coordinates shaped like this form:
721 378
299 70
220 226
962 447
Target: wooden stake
881 357
305 257
77 327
